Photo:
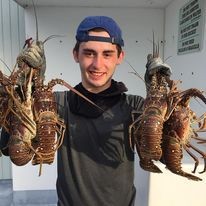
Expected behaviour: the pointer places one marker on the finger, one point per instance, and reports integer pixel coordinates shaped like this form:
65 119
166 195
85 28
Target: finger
36 48
34 53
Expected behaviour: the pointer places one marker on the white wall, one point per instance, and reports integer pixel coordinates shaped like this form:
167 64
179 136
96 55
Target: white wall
137 25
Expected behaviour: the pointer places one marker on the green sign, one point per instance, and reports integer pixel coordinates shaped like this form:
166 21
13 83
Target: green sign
191 27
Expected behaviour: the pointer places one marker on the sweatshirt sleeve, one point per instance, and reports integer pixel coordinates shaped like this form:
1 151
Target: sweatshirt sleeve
136 102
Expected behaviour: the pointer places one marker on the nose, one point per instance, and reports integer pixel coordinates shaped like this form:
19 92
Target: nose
98 61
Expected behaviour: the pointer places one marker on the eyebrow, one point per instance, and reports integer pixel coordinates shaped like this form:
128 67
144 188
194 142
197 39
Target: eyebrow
92 50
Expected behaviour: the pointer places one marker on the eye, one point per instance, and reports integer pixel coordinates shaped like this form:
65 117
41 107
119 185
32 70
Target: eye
89 53
107 54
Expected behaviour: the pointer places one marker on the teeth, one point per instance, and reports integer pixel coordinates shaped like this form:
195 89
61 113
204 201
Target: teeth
96 73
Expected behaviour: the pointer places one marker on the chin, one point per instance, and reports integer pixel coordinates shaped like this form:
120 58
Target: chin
96 83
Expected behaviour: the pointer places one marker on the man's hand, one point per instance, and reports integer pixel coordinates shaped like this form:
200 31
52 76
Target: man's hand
155 64
33 56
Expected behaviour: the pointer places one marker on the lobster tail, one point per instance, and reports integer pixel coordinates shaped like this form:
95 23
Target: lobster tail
151 137
172 156
19 152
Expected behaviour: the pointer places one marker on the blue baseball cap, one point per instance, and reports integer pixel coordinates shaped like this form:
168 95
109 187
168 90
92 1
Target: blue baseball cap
104 22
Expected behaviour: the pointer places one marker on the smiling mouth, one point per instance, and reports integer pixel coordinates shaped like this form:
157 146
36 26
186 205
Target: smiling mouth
96 74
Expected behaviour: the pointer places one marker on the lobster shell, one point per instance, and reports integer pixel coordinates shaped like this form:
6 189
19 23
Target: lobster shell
20 150
46 117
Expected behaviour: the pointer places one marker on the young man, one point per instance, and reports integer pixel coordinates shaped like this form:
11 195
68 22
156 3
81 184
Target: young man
95 161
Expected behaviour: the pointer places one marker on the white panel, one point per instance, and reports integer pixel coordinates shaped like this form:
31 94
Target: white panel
14 32
10 30
21 29
1 169
1 37
1 66
6 34
168 189
27 177
6 166
5 55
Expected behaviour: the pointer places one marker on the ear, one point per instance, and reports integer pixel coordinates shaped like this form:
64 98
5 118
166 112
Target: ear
121 57
75 55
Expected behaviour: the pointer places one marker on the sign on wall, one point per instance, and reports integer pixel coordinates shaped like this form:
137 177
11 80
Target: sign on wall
191 27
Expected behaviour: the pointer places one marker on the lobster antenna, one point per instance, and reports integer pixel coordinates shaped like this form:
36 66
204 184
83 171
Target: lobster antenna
135 72
158 48
167 58
36 21
5 65
153 44
52 36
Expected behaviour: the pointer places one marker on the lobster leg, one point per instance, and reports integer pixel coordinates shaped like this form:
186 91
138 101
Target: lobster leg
177 97
204 169
193 157
201 153
132 129
200 140
202 125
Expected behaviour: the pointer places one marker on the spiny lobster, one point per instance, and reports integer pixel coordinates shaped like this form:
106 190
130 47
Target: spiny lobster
147 130
29 112
165 127
48 122
18 121
31 117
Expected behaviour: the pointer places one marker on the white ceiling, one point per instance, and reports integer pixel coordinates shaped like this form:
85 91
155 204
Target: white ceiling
98 3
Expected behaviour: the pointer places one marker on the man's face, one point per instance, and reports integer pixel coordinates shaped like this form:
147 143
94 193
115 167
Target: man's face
98 61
